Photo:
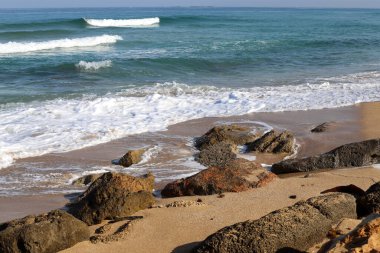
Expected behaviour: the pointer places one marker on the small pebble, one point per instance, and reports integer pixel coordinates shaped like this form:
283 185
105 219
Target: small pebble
293 196
221 195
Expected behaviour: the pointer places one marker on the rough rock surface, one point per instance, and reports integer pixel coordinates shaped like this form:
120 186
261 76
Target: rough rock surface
321 128
357 154
88 179
370 201
364 238
113 195
273 142
46 233
294 228
238 175
231 134
131 157
216 155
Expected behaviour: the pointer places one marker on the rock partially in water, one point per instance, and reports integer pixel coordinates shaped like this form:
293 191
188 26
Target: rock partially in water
238 175
322 127
231 134
88 179
357 154
131 157
291 229
364 238
273 142
45 233
216 155
113 195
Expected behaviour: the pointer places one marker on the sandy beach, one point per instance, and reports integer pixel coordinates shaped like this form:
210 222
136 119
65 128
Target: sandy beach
179 229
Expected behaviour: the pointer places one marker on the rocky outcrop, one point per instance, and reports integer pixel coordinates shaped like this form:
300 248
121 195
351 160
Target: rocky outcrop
113 195
86 180
238 175
321 128
131 157
46 233
216 155
364 238
370 201
231 134
273 142
291 229
350 155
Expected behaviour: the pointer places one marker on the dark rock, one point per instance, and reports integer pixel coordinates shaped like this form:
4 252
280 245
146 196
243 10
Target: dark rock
238 175
131 157
370 201
273 142
293 196
231 134
113 195
357 154
350 189
297 227
88 179
321 128
46 233
216 155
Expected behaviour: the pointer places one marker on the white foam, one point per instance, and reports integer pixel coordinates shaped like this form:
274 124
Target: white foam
143 22
59 125
92 66
24 47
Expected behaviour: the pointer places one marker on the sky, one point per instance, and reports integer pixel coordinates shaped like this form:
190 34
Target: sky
167 3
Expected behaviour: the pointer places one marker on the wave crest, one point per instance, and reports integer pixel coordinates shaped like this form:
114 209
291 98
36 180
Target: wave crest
92 66
123 22
25 47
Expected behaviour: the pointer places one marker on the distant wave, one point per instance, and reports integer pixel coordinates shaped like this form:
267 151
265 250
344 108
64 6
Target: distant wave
24 47
91 66
123 22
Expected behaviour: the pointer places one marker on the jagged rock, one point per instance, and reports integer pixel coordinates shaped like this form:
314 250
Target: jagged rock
321 128
273 142
357 154
231 134
370 201
131 157
238 175
291 229
113 195
88 179
216 155
45 233
364 238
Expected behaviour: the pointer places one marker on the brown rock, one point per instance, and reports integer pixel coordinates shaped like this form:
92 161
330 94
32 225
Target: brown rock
357 154
217 155
273 142
364 238
131 157
321 128
238 175
45 233
88 179
113 195
231 134
291 229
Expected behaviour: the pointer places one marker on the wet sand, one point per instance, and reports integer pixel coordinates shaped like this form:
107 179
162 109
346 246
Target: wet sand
177 229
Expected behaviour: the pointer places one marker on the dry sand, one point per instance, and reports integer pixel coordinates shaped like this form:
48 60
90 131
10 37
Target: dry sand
179 229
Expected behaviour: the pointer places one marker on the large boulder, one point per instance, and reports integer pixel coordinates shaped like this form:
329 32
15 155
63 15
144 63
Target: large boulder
364 238
291 229
45 233
112 196
236 176
370 201
273 142
231 134
131 157
357 154
216 155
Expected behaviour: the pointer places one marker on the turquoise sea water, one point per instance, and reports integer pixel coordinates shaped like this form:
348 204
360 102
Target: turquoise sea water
69 79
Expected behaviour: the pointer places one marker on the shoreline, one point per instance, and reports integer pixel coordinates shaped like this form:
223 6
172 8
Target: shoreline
352 123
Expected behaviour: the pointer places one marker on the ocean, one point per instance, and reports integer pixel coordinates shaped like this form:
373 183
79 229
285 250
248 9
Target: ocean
74 78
